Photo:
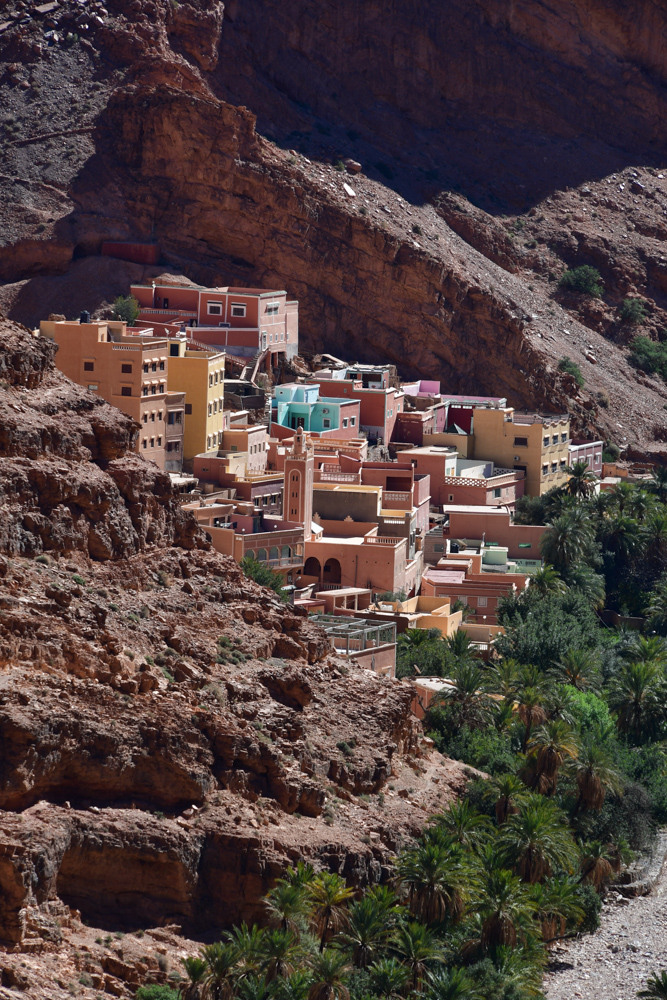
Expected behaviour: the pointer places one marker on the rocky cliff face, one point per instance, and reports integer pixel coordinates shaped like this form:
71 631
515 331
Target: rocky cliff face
172 735
457 113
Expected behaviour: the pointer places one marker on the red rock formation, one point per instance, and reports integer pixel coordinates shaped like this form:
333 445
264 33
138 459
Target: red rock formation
172 735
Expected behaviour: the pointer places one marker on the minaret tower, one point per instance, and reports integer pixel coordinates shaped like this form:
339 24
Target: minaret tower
298 489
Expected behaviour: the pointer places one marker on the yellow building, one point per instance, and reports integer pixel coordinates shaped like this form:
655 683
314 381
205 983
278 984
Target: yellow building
201 376
536 443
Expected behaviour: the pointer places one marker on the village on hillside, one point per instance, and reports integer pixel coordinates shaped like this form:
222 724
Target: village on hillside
383 505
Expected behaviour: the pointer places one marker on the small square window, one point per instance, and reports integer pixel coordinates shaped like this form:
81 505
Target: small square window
126 369
238 309
545 470
93 386
89 366
482 602
215 308
126 390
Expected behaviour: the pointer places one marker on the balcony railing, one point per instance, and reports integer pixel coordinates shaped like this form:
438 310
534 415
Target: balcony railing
382 540
339 477
397 497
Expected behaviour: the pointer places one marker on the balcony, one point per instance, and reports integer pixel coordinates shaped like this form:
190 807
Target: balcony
382 540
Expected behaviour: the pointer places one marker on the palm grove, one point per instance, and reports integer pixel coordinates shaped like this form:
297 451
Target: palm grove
568 720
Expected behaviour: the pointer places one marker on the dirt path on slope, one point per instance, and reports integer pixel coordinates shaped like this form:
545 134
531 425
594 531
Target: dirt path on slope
614 963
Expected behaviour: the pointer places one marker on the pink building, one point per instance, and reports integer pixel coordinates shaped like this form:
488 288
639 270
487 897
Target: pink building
380 406
494 526
590 452
244 321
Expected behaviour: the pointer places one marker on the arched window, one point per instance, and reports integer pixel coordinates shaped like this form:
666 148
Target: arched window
273 553
261 555
286 552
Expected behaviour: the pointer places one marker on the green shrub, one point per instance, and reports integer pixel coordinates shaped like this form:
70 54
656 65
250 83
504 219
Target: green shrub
156 992
584 279
126 308
571 368
649 356
417 230
79 579
43 559
610 452
485 749
632 311
264 575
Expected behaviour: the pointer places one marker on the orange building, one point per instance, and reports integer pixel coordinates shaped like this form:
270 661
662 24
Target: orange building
131 373
379 406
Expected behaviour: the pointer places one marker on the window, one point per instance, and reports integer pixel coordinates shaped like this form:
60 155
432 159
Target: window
161 387
326 422
188 408
93 386
344 421
482 602
153 416
390 413
169 445
562 463
353 421
215 406
545 470
210 379
159 416
144 391
145 367
173 350
563 437
171 418
143 443
153 390
179 417
177 445
89 366
520 442
598 458
261 555
145 418
208 441
215 308
215 377
234 447
451 498
497 492
159 442
554 466
152 442
154 366
238 309
546 441
525 545
126 390
272 309
162 366
126 369
554 439
210 409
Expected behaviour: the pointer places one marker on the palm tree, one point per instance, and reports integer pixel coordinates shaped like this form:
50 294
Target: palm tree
535 840
551 745
597 864
621 496
452 984
565 541
622 535
278 954
221 963
436 879
329 972
505 907
582 481
579 667
643 649
465 824
388 978
247 941
460 645
547 581
504 677
253 987
414 641
367 932
556 903
503 715
508 791
656 985
328 896
658 483
294 987
595 775
531 711
591 584
287 906
641 505
418 948
195 968
466 695
634 697
302 875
